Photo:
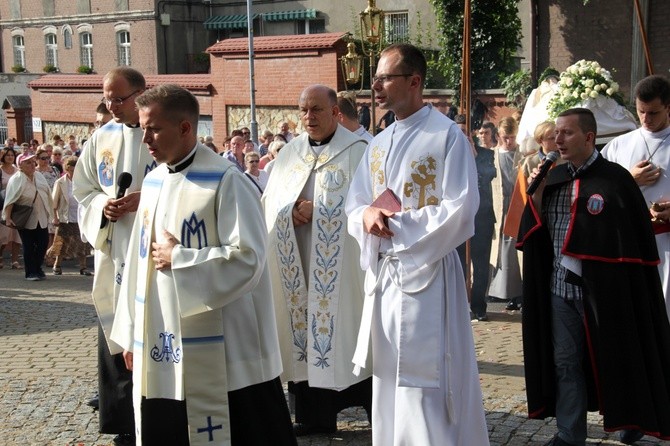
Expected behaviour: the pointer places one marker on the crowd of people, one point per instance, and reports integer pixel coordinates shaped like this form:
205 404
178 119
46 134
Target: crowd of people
337 261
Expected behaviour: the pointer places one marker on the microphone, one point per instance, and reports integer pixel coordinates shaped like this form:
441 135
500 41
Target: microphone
544 170
123 181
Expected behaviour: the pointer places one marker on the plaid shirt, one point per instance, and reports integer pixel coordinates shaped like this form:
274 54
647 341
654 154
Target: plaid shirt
557 217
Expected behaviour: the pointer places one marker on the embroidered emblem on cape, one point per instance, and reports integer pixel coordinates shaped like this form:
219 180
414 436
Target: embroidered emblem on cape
106 168
149 167
210 429
192 229
376 172
166 352
422 187
332 178
292 282
595 204
329 225
145 234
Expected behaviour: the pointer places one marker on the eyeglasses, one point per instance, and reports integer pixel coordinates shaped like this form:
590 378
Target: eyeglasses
43 158
117 101
246 133
384 78
253 161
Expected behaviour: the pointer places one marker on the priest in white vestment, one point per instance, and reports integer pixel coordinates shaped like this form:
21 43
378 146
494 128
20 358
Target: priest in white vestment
313 261
645 152
425 380
106 221
195 318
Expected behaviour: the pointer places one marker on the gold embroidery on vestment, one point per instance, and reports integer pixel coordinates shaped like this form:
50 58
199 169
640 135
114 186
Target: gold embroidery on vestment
423 182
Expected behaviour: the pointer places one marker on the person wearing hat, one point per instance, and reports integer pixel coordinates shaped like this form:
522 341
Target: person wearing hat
30 188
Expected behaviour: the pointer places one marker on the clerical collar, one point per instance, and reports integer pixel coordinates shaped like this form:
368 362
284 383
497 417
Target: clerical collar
320 143
183 164
135 126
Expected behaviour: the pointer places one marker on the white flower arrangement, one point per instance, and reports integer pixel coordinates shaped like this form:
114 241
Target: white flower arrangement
580 82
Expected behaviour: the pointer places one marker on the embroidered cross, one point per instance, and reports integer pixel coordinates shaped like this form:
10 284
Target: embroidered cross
210 429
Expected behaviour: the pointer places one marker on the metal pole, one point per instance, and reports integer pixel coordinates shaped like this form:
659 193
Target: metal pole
465 109
252 84
372 95
643 32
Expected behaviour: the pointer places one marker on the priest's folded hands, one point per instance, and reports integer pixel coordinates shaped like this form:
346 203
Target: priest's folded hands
162 252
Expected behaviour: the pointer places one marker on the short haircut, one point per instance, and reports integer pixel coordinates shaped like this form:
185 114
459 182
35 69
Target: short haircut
542 129
249 155
585 119
330 93
70 161
276 146
652 87
412 59
508 125
268 134
56 151
346 102
176 102
134 78
236 132
40 151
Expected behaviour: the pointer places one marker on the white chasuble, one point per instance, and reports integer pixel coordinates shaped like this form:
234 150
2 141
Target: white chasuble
112 149
205 326
426 384
317 286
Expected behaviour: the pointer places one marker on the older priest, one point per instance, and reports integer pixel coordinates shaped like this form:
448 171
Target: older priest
195 314
317 286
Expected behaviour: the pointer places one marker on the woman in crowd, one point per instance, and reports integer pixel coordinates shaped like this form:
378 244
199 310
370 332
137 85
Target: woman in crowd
29 188
67 241
9 237
51 173
257 176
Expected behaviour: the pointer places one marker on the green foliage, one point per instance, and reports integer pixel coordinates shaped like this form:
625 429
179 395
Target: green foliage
495 37
84 69
517 86
50 69
18 69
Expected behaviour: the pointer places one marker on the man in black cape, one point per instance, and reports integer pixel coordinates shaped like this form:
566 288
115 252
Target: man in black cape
595 335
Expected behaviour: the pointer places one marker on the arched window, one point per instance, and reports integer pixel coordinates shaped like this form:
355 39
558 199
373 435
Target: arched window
51 46
19 51
67 36
123 47
86 43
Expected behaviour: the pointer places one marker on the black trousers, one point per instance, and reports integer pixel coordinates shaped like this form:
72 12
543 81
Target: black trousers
115 391
319 407
34 243
259 416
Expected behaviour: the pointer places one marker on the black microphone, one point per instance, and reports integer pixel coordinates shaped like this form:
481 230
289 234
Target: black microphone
544 170
124 181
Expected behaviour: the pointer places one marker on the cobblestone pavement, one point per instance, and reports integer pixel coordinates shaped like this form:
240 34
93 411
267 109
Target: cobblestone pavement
48 371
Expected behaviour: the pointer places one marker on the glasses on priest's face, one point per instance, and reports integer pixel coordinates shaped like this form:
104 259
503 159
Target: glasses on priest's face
117 101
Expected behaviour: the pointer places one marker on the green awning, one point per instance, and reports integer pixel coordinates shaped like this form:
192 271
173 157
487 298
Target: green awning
236 21
284 16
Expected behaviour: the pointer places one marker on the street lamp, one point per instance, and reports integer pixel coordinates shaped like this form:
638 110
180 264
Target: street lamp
372 35
352 66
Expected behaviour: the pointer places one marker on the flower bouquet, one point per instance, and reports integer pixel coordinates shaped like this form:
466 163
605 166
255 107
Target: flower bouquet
580 82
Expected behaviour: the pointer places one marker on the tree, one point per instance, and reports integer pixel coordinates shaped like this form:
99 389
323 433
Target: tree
496 35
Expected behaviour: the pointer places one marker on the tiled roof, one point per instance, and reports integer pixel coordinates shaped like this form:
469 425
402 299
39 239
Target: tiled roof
277 43
193 82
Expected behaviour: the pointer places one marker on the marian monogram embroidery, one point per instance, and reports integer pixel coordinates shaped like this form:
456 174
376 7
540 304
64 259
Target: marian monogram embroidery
149 167
292 281
332 178
194 233
166 352
328 250
422 187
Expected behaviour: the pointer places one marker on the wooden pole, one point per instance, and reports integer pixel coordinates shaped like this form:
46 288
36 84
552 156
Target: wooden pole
643 32
466 100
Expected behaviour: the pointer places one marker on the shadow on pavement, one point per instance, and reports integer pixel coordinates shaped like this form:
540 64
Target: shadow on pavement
32 314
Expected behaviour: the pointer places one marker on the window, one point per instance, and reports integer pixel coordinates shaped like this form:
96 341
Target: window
123 47
51 45
396 26
19 51
67 37
86 42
